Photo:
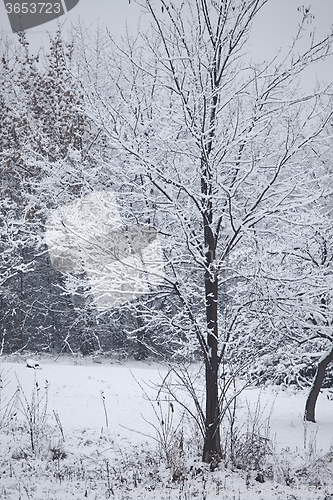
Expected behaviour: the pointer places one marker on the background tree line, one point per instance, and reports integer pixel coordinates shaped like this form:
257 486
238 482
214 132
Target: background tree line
45 139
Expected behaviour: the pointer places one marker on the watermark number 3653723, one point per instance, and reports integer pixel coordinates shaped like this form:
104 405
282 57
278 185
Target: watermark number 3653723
33 8
24 14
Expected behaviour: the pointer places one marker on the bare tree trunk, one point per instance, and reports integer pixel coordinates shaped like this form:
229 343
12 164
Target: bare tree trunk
310 406
212 445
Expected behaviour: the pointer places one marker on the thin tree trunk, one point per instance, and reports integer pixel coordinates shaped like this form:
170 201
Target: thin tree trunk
212 444
142 351
310 406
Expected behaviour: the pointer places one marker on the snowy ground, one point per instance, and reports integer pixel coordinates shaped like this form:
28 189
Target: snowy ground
93 434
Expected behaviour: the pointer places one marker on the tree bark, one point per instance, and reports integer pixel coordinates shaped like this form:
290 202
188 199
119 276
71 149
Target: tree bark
212 444
310 406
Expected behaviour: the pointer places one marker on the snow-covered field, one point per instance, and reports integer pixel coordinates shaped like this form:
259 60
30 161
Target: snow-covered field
92 428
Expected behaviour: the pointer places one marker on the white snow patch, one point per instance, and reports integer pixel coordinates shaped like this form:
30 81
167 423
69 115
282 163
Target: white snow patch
121 461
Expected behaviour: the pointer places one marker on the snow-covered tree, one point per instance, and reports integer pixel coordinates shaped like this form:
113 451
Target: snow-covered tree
296 279
212 151
42 134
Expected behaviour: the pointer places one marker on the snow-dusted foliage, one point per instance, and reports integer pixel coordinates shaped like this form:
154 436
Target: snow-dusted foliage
43 130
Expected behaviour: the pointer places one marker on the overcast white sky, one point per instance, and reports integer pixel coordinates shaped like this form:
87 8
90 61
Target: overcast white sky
273 29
